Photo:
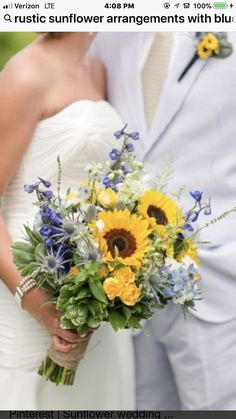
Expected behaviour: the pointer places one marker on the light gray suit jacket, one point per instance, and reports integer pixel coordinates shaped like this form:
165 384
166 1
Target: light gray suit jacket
195 122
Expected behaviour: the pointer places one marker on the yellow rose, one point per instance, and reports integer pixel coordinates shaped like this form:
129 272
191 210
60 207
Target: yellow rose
103 270
74 271
125 275
112 288
130 295
107 198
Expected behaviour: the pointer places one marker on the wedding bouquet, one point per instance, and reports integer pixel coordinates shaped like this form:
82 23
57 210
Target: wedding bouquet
110 251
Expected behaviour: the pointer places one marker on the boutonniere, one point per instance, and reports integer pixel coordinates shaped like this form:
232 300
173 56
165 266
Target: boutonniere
210 45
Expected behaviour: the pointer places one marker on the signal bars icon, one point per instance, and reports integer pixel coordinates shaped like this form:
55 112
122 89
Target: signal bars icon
8 6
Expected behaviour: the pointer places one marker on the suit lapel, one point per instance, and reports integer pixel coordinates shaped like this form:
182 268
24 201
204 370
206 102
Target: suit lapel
174 92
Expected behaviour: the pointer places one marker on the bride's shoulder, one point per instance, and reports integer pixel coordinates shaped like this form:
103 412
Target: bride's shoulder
25 72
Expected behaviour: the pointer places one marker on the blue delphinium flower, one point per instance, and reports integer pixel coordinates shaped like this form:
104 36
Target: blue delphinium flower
126 170
129 147
207 210
114 154
193 216
31 188
118 134
197 195
47 212
106 181
46 183
47 194
134 135
188 227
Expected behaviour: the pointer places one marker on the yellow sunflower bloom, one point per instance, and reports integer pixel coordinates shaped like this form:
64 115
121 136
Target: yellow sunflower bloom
211 42
203 51
191 251
160 210
124 237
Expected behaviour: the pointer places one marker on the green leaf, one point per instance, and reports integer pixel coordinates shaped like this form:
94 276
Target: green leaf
127 312
71 311
226 49
83 330
62 303
97 290
40 252
117 320
66 323
134 323
29 269
65 292
82 294
23 254
33 235
95 308
92 322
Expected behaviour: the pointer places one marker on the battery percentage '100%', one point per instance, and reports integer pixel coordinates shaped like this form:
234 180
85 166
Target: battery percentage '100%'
202 6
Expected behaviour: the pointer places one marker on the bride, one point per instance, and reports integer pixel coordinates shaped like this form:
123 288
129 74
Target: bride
52 103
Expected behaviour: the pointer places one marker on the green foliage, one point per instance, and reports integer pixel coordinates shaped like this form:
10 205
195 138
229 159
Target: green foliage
11 43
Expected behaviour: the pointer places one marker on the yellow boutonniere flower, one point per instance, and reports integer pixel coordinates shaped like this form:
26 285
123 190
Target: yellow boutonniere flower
211 45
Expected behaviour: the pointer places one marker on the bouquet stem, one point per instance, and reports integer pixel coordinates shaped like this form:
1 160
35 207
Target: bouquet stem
60 367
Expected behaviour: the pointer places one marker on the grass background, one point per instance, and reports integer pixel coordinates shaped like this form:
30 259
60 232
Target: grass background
12 42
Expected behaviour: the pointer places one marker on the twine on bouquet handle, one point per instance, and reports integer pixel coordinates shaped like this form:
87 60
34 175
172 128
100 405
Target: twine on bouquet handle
69 360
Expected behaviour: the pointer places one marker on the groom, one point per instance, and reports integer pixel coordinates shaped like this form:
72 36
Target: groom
185 364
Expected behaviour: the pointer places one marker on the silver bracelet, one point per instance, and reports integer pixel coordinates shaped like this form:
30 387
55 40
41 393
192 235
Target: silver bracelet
25 285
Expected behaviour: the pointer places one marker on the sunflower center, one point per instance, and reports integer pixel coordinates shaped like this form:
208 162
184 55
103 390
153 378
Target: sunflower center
158 214
122 241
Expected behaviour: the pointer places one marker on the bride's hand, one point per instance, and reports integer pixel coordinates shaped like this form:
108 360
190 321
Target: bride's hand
34 301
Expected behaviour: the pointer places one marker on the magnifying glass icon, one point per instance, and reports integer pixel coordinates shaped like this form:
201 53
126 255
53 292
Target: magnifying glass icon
7 17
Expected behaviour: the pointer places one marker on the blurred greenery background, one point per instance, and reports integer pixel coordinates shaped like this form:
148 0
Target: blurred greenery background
12 42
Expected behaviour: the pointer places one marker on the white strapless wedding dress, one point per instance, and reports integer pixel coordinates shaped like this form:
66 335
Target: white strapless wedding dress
80 133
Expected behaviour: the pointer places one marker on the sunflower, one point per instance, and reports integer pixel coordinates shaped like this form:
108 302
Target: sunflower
211 42
124 237
208 46
191 251
160 210
203 51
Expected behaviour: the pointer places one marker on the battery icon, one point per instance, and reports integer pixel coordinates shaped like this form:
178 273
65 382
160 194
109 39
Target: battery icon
218 5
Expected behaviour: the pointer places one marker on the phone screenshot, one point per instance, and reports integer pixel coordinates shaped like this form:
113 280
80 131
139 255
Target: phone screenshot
117 209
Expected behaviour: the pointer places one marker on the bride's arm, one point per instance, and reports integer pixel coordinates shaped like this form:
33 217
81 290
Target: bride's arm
21 107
